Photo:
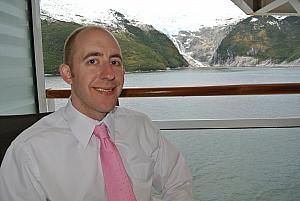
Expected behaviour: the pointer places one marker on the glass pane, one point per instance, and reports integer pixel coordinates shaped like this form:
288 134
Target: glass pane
271 106
242 164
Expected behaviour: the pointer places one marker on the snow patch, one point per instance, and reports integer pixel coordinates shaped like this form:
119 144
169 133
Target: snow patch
254 19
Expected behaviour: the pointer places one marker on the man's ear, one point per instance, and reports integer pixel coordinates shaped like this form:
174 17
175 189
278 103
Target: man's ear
65 73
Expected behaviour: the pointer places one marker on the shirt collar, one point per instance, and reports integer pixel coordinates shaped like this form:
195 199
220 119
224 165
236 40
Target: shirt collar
82 126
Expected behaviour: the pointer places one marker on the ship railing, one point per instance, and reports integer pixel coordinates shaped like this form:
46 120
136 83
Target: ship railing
220 90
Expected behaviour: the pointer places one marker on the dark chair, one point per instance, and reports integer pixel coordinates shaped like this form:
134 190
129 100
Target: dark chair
12 125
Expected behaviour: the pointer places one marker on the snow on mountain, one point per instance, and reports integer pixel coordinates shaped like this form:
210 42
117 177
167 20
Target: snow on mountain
156 13
201 44
187 55
72 13
201 29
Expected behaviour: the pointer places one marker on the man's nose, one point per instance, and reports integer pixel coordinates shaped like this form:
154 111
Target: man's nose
107 71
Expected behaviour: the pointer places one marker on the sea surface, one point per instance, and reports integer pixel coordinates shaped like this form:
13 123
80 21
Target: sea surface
227 164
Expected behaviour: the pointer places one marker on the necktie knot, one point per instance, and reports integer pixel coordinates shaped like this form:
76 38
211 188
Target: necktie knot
100 131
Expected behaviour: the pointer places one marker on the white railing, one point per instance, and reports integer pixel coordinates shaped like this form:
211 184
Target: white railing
190 124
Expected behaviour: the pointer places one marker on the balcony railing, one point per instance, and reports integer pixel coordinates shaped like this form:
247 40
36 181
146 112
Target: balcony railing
222 90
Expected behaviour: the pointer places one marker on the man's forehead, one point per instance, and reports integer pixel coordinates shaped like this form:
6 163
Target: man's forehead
96 43
95 34
101 39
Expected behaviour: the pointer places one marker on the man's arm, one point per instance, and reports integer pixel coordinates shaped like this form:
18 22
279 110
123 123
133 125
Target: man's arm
171 174
19 177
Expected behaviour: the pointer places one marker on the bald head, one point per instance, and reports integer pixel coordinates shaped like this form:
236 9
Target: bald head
70 41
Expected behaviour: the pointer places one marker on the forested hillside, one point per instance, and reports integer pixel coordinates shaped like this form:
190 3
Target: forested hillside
143 48
264 39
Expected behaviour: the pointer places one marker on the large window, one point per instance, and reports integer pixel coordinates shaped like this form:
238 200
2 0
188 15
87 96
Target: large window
227 164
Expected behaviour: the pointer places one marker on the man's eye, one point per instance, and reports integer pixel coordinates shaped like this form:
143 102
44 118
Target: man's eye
92 61
115 62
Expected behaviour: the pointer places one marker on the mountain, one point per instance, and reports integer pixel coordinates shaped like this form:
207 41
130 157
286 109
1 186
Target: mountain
166 16
261 40
143 47
201 45
252 41
234 42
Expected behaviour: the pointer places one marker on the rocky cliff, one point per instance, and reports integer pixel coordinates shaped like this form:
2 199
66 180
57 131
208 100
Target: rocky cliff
266 41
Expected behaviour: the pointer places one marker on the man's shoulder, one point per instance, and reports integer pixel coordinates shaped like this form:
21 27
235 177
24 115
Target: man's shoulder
35 138
41 128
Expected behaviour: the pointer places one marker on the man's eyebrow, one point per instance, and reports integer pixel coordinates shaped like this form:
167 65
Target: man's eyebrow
92 54
116 55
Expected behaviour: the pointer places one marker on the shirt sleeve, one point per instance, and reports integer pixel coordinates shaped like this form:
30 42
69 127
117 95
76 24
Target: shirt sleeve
19 177
171 174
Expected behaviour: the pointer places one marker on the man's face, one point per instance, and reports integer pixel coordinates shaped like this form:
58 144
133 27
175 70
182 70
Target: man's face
97 73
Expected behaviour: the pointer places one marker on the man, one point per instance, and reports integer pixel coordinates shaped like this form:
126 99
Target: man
58 158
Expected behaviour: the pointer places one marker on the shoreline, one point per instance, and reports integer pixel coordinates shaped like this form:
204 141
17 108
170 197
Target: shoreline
203 67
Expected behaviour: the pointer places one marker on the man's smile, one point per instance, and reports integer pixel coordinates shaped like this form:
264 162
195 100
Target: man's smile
107 91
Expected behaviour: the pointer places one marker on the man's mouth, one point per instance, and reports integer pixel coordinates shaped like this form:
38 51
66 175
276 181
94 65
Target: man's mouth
104 90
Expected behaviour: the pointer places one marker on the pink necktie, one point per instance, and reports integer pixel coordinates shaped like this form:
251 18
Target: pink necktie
117 184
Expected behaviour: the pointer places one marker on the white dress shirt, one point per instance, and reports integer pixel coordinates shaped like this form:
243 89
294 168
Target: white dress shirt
57 159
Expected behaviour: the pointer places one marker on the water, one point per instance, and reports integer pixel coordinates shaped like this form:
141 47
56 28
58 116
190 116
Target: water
234 164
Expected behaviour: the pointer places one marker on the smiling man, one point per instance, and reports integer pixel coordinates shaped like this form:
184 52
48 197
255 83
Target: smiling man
91 150
94 69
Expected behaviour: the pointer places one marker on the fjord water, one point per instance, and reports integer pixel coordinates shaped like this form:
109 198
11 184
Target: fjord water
228 164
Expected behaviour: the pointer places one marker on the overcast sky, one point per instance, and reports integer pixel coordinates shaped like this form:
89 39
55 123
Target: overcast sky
186 14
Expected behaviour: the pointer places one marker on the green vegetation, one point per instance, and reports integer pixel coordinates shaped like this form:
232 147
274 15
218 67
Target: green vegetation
265 38
54 34
142 49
